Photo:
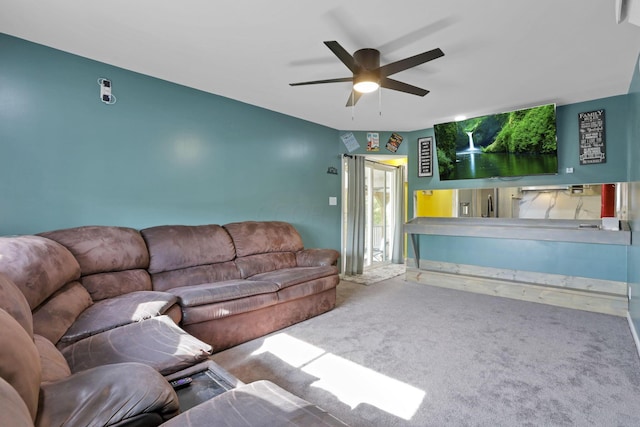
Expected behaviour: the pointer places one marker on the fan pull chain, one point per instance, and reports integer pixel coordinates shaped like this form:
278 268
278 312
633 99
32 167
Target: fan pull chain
353 106
380 102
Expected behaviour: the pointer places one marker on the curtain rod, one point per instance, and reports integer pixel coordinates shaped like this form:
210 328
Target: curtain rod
351 156
380 163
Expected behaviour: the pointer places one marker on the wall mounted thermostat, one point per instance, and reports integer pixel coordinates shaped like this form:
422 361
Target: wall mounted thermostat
105 91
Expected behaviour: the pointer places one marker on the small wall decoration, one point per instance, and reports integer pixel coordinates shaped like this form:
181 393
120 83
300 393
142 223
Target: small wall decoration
350 141
373 141
425 156
394 142
592 137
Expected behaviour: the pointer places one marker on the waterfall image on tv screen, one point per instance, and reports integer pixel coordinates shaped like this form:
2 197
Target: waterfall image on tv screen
516 143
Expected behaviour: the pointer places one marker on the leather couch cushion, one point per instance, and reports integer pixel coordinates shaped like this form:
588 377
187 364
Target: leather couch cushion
259 404
255 237
317 257
14 302
292 276
207 312
100 249
195 275
118 311
190 296
38 266
108 285
311 287
175 313
157 342
13 411
54 366
263 263
174 247
19 361
54 317
108 395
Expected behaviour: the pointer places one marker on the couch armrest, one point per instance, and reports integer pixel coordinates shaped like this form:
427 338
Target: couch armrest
317 257
13 410
118 394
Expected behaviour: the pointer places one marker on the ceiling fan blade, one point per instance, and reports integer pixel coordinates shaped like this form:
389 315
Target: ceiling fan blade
413 61
343 55
315 82
354 96
402 87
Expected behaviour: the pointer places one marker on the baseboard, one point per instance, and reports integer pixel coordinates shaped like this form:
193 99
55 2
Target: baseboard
634 333
526 286
576 283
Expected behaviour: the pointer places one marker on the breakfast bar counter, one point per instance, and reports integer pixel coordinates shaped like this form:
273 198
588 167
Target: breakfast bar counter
554 230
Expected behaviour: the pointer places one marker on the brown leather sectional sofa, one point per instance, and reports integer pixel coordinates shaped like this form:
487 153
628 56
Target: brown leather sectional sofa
91 318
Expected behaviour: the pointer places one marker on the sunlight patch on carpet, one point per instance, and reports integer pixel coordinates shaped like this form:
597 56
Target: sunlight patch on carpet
350 382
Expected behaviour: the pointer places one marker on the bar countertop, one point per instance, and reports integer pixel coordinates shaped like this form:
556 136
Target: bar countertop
558 230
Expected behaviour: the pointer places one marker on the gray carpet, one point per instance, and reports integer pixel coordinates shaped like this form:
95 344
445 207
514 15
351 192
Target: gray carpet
398 353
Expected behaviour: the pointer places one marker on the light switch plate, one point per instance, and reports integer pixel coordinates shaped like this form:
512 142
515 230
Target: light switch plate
333 201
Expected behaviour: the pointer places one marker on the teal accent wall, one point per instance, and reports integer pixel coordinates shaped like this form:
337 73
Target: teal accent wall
633 254
163 154
606 262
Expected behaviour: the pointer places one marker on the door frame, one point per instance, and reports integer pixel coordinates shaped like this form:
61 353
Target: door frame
380 159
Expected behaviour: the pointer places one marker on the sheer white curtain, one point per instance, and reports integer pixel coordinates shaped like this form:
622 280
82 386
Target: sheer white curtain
397 251
354 248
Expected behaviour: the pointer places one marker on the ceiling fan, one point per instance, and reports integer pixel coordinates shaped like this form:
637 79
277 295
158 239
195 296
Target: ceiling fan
368 75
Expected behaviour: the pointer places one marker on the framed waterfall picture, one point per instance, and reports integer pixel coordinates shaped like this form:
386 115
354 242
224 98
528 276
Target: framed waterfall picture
425 156
510 144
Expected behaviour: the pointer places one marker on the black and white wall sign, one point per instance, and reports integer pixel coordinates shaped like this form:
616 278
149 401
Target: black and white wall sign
425 156
592 137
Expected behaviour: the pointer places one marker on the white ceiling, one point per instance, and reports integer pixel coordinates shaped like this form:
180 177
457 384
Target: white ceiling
499 54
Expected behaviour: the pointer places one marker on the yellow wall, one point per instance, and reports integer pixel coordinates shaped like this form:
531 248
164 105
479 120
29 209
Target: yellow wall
401 161
434 203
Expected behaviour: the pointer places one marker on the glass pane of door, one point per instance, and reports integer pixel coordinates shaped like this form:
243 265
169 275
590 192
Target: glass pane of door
378 231
379 213
390 220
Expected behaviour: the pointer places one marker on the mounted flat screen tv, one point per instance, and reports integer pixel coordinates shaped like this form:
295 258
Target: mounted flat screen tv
516 143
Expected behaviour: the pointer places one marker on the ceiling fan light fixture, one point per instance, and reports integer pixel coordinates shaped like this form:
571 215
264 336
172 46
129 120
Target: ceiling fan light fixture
366 86
366 82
